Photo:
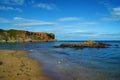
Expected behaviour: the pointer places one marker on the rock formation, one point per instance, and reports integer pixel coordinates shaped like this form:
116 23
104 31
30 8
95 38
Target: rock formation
24 36
87 44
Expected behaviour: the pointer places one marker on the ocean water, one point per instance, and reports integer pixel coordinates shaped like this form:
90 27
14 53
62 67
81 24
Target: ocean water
72 63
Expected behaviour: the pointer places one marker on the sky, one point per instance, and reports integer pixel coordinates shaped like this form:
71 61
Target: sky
67 19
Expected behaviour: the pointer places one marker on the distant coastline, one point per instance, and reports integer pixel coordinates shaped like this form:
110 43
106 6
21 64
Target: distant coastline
86 40
25 36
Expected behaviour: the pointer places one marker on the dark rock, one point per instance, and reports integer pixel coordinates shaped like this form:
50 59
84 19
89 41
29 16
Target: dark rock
88 44
116 45
1 62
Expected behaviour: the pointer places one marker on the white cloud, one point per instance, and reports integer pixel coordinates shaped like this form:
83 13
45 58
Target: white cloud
47 6
84 33
4 20
88 23
22 22
10 8
31 22
107 19
116 10
113 11
94 33
69 19
12 2
34 23
116 13
111 34
17 18
78 25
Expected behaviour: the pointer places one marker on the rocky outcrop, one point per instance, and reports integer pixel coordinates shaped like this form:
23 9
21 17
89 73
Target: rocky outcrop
24 36
87 44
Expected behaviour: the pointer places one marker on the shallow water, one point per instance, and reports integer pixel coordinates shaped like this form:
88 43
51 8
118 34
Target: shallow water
74 64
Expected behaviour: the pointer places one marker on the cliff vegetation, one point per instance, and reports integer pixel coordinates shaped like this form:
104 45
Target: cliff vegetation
24 36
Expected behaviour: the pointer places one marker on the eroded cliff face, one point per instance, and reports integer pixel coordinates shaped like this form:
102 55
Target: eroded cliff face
24 36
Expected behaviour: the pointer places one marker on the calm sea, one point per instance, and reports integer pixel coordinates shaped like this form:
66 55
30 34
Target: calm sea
71 63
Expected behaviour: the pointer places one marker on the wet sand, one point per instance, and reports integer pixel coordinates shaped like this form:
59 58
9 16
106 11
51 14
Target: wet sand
15 65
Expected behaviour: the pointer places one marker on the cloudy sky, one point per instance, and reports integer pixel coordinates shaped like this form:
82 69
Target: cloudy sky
68 19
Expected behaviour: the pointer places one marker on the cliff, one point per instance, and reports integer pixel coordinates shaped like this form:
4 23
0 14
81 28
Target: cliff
24 36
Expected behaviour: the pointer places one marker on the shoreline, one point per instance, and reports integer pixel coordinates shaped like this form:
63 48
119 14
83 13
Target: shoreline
16 65
28 41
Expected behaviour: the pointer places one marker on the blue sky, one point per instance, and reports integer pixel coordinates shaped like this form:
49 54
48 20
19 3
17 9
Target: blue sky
68 19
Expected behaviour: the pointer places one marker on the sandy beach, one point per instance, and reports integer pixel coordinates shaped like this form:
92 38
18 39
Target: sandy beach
15 65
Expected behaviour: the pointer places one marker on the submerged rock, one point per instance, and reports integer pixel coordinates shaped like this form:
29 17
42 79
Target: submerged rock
87 44
116 45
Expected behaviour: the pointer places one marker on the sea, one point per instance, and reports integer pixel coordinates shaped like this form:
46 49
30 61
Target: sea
73 63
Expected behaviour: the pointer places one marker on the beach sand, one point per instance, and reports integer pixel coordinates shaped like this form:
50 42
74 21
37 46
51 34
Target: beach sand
15 65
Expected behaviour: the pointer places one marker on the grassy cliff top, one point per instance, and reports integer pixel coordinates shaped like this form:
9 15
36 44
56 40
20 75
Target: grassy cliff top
13 35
